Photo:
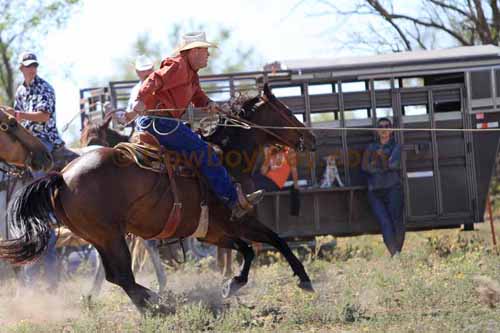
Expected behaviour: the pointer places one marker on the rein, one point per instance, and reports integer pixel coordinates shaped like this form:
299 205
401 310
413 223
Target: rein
235 119
249 124
265 130
9 169
12 170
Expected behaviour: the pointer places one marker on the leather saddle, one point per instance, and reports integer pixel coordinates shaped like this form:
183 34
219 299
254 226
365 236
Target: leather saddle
148 154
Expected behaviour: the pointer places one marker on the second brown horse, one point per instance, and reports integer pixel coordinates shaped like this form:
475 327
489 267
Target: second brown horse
102 202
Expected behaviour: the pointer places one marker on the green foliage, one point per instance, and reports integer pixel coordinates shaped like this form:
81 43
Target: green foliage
195 318
460 244
418 291
21 24
229 56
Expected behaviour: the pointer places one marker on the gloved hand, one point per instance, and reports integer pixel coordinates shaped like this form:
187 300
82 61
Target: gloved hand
213 107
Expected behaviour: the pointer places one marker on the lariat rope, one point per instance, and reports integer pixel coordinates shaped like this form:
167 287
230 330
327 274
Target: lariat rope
245 124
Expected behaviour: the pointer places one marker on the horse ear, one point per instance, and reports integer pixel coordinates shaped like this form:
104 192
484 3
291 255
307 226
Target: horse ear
267 91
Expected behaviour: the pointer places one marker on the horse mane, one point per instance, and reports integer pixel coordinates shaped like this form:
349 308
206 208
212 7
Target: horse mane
242 104
115 137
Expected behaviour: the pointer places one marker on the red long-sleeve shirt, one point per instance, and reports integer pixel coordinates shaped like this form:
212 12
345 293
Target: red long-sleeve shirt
174 86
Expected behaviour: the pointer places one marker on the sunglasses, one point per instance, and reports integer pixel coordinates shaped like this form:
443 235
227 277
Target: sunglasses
384 126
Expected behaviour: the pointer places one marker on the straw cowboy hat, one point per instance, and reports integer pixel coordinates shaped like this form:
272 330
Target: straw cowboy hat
143 63
193 40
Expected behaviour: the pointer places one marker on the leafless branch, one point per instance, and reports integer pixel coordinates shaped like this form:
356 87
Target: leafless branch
448 6
390 18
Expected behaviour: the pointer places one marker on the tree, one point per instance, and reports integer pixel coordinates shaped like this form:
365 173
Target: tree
425 24
230 56
21 23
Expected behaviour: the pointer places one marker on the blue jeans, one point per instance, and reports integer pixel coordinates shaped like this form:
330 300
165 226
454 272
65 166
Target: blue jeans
49 259
387 206
262 182
189 145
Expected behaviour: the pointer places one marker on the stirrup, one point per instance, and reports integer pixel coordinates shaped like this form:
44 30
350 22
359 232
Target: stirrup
255 197
238 212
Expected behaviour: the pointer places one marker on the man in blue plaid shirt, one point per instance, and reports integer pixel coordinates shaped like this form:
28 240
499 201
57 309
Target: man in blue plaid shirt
35 109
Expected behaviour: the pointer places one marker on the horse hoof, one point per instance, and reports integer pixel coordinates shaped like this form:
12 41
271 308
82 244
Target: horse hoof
230 287
159 310
306 286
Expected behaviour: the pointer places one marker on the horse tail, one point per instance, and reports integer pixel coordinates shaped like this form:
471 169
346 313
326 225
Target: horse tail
29 219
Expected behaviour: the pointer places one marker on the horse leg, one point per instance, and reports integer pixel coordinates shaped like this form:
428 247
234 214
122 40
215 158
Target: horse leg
224 261
228 263
232 286
252 229
220 259
99 277
117 262
154 254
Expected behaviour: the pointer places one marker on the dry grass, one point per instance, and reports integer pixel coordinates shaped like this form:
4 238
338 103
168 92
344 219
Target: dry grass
445 281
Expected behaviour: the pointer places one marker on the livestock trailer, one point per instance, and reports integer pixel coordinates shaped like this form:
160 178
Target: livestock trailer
446 174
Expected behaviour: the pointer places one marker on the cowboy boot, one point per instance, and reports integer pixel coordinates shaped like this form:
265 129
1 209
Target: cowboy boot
255 197
245 203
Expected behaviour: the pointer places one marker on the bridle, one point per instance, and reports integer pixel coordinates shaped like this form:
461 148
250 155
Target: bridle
240 117
9 127
300 146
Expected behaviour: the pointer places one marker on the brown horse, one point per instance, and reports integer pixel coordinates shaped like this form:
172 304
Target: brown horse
19 148
100 202
100 134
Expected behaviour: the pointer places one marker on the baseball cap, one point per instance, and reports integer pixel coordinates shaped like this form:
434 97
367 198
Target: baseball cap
28 58
143 63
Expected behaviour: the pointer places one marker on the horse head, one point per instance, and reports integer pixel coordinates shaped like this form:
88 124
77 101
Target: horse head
19 147
95 134
279 125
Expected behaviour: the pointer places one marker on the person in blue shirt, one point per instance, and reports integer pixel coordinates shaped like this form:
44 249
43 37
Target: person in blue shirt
35 109
382 162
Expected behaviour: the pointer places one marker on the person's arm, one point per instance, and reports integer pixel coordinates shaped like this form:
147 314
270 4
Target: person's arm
133 97
266 164
368 163
43 109
149 87
200 99
395 158
130 113
38 116
162 79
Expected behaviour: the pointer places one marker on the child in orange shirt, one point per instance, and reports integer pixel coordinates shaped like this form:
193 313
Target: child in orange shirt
279 162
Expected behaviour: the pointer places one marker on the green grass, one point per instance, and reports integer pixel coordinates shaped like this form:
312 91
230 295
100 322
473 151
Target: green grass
432 287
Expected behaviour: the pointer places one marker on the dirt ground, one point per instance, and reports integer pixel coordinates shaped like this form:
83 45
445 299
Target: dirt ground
445 281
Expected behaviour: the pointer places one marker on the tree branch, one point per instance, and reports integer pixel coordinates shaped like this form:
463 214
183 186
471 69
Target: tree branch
482 24
8 76
390 19
452 8
430 24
